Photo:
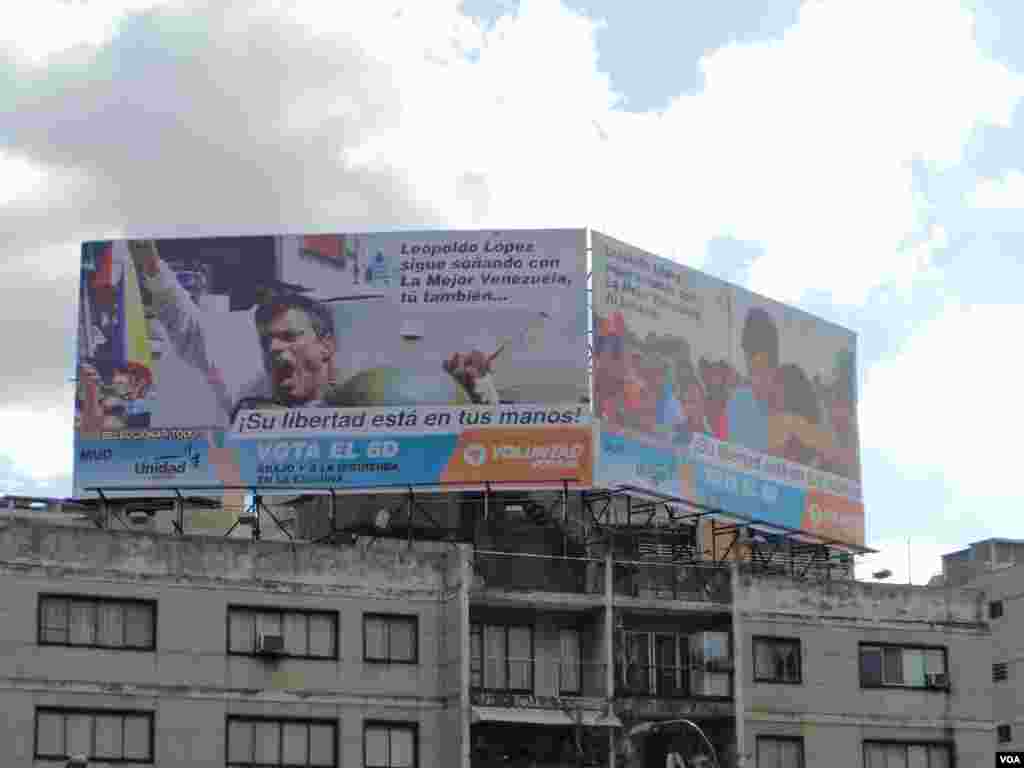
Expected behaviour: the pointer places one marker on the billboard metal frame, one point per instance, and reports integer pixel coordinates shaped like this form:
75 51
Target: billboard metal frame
801 550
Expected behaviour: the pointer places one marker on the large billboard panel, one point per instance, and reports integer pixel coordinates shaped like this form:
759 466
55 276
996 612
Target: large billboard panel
707 392
344 361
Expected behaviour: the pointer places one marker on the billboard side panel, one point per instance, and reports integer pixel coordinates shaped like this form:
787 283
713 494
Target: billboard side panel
707 391
344 360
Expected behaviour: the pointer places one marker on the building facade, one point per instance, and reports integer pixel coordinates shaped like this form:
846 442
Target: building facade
996 566
524 646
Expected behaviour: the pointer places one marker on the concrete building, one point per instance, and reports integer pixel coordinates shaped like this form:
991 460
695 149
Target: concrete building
534 640
996 566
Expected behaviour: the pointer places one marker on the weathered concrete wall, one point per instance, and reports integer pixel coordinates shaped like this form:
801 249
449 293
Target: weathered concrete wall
1007 585
861 601
189 680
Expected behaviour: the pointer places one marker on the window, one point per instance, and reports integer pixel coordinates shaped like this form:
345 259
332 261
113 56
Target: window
97 622
278 743
655 664
1000 672
880 754
570 662
995 609
1004 734
780 752
777 660
106 735
390 639
390 745
501 657
305 634
903 667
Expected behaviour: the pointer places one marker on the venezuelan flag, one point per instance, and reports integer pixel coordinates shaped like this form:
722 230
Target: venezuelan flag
115 308
136 350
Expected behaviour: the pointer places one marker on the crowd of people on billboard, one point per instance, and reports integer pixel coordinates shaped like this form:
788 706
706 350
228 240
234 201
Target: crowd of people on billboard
652 386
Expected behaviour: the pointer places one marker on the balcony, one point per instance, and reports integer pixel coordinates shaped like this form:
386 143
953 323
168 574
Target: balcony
566 685
701 688
530 574
691 582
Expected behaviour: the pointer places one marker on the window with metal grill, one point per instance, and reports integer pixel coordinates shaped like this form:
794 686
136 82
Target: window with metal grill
103 735
97 622
900 666
390 639
780 752
777 660
883 754
390 745
1000 672
263 742
302 634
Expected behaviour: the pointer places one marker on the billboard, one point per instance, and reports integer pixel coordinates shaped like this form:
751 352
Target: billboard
709 393
343 361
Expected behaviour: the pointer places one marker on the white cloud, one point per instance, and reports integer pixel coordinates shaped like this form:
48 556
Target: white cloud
947 402
803 144
36 436
911 562
1002 193
44 27
303 115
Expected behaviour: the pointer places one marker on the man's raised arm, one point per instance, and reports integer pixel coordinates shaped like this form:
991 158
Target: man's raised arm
177 312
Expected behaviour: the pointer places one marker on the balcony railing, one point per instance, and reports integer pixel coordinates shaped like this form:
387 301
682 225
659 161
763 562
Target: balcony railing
538 681
712 679
672 581
522 572
525 572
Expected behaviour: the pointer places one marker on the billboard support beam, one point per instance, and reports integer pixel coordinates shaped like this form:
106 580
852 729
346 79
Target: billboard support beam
104 515
275 518
179 506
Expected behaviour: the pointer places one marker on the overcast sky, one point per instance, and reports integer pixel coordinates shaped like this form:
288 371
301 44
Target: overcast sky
862 159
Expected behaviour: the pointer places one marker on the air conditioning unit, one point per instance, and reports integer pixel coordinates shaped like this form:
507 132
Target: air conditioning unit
937 681
268 644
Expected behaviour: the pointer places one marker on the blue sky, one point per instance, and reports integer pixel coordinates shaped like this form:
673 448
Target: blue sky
862 159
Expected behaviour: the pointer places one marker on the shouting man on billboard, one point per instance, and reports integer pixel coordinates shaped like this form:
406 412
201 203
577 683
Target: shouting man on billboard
298 343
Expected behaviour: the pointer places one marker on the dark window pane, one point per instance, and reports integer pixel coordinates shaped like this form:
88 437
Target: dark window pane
892 671
295 743
376 747
50 734
79 734
242 631
138 625
111 625
871 666
55 620
322 636
402 640
82 622
403 751
322 743
240 741
296 640
109 733
137 742
375 638
267 740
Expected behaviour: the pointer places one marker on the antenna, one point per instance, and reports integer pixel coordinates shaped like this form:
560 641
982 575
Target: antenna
910 578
